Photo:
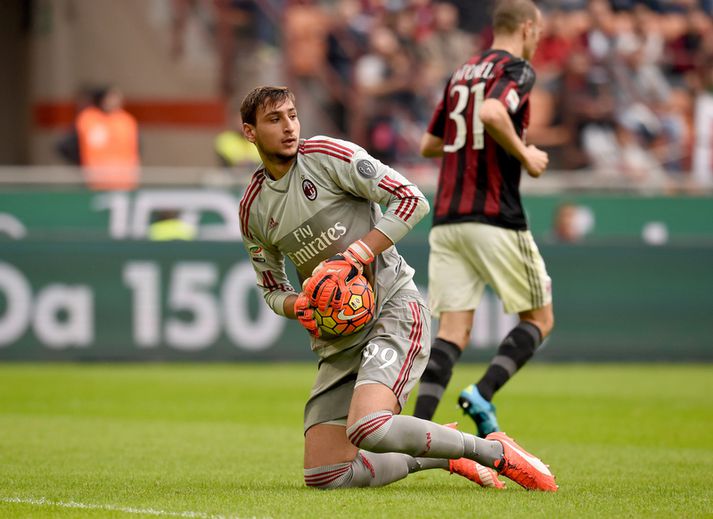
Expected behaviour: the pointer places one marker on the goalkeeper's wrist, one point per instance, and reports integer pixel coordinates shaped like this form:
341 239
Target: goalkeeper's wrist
289 306
360 252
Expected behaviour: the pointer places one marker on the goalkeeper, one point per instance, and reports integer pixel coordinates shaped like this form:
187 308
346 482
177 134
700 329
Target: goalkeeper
316 202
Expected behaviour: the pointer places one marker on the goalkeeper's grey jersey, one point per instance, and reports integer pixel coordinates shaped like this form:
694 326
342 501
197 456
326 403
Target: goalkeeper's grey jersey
328 199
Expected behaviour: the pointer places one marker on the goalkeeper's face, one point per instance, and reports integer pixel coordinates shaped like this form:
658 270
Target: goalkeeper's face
276 132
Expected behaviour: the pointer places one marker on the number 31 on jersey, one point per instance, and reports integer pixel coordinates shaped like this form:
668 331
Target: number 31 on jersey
464 94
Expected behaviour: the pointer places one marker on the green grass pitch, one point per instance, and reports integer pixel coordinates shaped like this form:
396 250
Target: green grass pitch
225 440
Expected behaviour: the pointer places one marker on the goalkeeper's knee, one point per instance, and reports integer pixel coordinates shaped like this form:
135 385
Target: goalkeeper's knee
366 470
351 474
339 475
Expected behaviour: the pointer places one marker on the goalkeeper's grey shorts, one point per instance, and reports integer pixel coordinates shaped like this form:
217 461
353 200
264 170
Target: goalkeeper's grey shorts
467 256
394 353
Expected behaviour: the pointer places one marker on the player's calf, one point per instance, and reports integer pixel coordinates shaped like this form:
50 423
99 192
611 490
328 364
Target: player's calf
381 431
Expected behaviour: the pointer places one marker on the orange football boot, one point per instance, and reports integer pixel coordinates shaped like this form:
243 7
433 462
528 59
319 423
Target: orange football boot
474 471
522 467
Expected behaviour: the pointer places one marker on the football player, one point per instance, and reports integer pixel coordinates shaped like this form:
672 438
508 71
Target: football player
316 202
480 234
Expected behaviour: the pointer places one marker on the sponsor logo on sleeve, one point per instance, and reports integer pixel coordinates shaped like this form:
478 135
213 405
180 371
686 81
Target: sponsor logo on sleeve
512 100
366 169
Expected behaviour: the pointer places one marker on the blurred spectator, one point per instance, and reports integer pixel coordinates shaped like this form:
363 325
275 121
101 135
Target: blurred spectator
475 17
239 27
671 6
644 94
168 226
305 29
571 222
565 5
104 142
587 103
687 33
641 35
550 128
182 11
617 78
557 43
444 46
68 145
703 150
547 129
347 37
599 39
305 38
634 162
384 78
233 149
346 42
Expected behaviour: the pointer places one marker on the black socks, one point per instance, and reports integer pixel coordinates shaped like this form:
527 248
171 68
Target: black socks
444 354
515 350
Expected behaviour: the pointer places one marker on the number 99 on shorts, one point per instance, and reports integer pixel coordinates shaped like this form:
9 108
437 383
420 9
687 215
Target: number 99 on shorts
383 357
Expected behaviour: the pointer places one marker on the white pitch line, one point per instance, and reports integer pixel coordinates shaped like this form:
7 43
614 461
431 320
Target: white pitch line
113 508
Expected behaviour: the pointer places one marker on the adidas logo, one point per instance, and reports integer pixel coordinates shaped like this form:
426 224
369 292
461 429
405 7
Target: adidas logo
272 223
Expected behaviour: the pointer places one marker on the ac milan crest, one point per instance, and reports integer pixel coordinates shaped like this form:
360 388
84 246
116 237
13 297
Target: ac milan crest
309 189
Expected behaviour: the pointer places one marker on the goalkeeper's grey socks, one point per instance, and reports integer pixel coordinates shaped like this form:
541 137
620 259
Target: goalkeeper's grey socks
366 470
369 469
383 432
444 354
515 350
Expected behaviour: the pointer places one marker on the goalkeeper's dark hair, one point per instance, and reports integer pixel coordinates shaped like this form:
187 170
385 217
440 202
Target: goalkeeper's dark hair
263 97
509 14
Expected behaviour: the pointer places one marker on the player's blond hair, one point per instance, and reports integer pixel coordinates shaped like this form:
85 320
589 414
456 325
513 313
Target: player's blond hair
263 96
509 14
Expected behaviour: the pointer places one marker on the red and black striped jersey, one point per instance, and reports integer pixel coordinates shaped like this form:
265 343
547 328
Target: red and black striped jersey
479 181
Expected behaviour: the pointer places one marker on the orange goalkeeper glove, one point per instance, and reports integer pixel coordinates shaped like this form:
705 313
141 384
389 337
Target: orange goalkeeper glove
328 284
305 314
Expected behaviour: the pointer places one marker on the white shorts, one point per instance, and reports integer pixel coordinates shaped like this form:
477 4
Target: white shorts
467 256
394 353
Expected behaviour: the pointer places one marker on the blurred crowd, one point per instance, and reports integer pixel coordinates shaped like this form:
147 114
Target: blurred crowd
617 79
618 82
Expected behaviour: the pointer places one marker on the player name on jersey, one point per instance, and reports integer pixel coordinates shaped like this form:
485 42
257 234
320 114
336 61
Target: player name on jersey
474 70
